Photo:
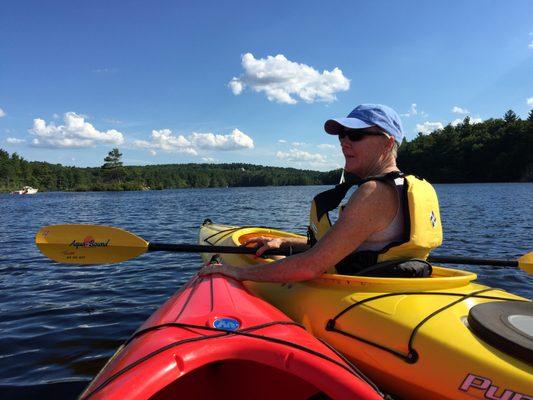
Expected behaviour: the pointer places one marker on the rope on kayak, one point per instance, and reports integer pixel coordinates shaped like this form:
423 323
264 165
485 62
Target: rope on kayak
247 332
412 355
142 332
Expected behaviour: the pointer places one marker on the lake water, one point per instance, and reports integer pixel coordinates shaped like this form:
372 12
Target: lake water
60 323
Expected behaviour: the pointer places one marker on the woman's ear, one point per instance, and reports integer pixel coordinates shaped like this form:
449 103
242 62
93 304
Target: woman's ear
390 144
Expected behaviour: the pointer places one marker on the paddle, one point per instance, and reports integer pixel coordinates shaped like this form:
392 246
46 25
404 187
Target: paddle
525 262
97 244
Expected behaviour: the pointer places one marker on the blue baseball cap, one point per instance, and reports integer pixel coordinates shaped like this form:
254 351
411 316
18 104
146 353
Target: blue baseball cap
365 116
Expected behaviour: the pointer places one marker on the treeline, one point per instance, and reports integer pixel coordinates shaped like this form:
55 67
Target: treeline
496 150
16 172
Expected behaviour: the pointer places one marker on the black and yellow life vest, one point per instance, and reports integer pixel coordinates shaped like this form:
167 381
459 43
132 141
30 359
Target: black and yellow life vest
422 223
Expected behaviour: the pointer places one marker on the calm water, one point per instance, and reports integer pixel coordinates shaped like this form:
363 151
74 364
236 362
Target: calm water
60 323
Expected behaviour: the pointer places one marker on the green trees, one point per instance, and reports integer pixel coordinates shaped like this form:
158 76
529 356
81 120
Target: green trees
113 171
510 117
16 172
496 150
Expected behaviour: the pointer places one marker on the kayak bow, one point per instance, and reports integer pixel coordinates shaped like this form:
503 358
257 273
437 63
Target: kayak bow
213 339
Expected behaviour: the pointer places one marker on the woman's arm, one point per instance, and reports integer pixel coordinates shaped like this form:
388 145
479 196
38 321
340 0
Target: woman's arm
265 243
370 209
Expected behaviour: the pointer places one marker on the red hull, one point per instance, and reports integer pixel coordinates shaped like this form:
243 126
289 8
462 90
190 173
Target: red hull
178 354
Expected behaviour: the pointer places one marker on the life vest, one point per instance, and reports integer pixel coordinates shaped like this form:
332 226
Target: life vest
423 228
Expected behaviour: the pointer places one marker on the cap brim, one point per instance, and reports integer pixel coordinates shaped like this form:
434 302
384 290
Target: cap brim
335 126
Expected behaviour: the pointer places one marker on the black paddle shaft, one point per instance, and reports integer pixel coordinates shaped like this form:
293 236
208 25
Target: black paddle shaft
196 248
472 261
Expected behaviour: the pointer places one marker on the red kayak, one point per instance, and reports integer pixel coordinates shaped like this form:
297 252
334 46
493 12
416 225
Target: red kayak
213 339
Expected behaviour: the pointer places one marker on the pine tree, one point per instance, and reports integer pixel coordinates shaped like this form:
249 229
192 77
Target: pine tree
112 161
530 115
112 168
510 116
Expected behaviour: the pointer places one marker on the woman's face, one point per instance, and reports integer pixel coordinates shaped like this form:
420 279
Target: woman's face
363 155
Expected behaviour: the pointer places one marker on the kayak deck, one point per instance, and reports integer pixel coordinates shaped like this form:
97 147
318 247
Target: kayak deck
213 339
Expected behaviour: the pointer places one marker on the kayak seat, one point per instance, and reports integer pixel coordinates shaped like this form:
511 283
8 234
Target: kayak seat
412 268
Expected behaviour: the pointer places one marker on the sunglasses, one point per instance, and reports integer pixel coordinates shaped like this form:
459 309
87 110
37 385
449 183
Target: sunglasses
355 137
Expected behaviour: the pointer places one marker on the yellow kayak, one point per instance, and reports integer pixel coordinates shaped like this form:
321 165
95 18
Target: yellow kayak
414 337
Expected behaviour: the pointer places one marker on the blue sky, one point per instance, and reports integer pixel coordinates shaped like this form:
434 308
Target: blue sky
183 81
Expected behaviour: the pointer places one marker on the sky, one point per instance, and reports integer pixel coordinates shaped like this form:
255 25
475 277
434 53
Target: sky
252 82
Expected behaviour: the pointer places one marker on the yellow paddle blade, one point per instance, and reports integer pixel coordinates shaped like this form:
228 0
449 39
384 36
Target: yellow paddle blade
88 244
525 262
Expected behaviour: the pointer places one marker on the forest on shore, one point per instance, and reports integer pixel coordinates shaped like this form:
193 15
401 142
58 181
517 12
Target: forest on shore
495 150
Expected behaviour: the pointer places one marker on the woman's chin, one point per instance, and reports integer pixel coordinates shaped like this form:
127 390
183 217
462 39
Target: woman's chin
350 165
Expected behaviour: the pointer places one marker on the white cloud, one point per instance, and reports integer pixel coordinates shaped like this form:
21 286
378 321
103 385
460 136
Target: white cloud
412 111
529 101
165 140
459 110
299 144
209 160
2 113
235 140
530 45
428 127
473 121
74 133
105 70
236 86
304 159
327 146
281 79
12 140
296 155
282 141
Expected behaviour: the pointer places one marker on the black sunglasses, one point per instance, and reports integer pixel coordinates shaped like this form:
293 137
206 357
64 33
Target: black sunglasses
355 137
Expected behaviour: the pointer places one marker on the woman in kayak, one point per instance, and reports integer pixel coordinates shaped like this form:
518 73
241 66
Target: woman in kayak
374 224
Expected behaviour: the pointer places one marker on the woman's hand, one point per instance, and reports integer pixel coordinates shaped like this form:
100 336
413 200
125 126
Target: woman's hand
224 269
264 243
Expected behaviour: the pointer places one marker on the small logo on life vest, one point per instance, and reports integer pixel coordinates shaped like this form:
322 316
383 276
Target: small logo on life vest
227 324
433 219
472 383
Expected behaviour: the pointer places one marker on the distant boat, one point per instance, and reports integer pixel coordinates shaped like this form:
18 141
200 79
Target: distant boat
26 190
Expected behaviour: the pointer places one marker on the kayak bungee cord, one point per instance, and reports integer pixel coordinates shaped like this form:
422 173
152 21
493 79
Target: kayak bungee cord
412 355
350 367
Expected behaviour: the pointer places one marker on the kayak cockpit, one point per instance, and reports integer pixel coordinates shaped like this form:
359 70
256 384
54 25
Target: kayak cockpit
239 379
441 278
